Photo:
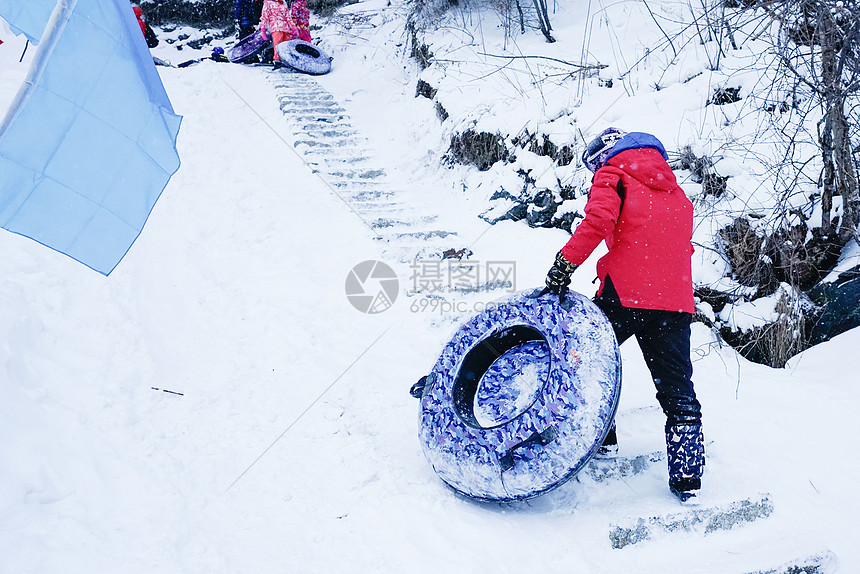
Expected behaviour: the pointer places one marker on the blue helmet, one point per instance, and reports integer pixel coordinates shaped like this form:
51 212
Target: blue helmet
597 150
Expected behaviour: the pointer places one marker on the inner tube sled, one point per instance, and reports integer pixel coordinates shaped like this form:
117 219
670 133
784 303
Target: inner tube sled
521 397
249 48
304 57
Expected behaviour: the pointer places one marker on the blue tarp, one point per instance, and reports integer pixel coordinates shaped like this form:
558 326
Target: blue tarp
28 17
89 143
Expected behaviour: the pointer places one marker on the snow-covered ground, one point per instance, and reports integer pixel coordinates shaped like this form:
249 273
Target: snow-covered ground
217 404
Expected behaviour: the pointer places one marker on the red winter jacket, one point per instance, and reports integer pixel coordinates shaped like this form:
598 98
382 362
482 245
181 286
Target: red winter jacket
140 20
650 246
276 17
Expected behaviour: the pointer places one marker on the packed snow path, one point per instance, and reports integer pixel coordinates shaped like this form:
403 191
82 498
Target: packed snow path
344 160
410 230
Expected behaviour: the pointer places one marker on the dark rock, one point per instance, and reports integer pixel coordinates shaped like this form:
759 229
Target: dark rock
543 199
543 146
541 210
716 299
566 221
457 253
567 191
517 212
502 194
441 112
425 89
199 43
840 306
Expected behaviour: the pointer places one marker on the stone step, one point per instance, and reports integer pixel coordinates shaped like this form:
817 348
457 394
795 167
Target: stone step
823 562
323 123
305 89
286 78
304 95
301 97
336 152
356 184
339 158
358 174
370 195
308 93
328 135
373 208
298 106
428 235
322 118
289 107
619 467
407 255
324 128
702 520
388 223
331 144
332 162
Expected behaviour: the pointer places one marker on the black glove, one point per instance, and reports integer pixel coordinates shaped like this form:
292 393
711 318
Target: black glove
559 274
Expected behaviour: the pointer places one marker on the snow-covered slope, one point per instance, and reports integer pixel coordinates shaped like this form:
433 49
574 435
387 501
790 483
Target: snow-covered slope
217 405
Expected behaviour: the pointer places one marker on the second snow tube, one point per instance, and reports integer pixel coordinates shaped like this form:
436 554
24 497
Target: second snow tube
249 48
304 57
521 397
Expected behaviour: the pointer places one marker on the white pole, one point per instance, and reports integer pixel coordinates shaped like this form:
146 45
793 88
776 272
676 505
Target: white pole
56 24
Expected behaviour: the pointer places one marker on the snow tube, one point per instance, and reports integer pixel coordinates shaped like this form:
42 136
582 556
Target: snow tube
521 397
248 48
304 57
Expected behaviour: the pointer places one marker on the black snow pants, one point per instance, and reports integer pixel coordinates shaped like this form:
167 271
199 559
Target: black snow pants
664 338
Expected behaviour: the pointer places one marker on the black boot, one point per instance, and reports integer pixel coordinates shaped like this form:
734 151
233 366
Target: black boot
609 448
685 446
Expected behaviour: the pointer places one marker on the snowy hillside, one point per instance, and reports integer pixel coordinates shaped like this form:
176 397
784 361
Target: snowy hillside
218 405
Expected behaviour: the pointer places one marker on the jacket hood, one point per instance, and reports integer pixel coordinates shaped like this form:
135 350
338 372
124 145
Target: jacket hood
644 158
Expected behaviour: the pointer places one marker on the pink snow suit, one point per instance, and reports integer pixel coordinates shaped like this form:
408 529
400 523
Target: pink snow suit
301 17
276 18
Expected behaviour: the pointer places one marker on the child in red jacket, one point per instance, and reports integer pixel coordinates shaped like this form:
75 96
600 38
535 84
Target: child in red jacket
277 19
148 34
646 286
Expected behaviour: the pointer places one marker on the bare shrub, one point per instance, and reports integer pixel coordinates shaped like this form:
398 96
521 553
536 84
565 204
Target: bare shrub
785 337
744 248
481 149
702 169
818 46
774 343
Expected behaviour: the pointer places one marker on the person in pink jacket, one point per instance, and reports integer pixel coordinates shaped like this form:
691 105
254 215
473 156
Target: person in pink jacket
277 20
301 17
